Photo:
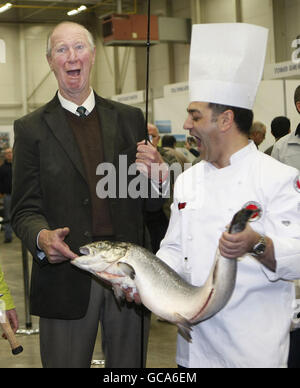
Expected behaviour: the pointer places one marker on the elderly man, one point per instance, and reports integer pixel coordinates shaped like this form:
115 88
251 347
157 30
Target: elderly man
55 209
252 330
258 133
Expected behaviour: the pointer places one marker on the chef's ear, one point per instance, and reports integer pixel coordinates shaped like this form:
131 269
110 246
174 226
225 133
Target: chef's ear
226 120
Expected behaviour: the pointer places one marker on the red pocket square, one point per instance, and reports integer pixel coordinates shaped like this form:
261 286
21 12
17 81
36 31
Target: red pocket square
181 205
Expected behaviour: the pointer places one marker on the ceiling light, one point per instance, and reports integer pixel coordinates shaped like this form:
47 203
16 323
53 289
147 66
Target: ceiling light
5 7
73 12
76 11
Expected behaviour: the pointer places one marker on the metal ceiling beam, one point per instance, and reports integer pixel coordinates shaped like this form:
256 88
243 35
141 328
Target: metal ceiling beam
60 1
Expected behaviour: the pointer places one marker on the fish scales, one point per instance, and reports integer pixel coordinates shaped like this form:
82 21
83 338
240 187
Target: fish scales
161 289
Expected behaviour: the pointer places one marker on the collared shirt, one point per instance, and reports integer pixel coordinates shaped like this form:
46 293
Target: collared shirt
287 150
89 103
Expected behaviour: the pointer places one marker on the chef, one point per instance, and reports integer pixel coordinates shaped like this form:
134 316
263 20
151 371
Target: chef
252 330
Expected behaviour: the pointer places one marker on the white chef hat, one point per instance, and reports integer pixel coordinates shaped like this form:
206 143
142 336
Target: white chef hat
226 63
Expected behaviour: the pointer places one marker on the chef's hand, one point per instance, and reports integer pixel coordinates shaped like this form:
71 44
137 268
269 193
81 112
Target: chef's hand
233 246
150 163
51 242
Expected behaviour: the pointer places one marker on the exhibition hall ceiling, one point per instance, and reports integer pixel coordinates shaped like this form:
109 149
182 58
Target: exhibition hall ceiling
42 11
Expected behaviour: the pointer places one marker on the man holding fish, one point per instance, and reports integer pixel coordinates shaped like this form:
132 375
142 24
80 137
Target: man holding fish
55 209
252 330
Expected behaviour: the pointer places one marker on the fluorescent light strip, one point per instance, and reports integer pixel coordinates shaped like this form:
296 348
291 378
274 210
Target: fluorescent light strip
76 11
5 7
73 12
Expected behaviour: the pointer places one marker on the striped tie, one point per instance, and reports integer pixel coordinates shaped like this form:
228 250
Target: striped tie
81 110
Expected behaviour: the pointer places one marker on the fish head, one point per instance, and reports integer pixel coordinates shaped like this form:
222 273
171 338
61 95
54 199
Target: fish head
98 256
240 219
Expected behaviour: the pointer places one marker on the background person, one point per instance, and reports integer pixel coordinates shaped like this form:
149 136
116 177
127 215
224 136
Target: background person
5 190
258 133
287 149
191 146
168 150
280 126
156 219
5 295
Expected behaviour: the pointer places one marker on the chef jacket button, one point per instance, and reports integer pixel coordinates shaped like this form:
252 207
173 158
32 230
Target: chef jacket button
190 237
85 201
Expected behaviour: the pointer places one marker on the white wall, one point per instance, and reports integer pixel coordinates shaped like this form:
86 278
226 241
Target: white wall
253 11
269 103
260 12
218 11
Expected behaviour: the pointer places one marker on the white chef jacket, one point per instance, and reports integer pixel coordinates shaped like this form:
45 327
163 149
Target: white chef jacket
252 330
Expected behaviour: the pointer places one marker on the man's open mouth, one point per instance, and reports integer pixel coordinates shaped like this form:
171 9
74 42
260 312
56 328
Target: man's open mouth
199 142
73 73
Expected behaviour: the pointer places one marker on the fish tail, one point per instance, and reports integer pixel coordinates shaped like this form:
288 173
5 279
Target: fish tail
184 327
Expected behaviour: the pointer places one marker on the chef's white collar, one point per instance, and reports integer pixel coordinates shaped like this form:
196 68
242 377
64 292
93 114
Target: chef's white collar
240 154
236 157
89 103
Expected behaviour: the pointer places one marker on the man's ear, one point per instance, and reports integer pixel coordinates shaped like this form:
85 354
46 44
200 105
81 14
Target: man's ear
226 119
298 106
49 62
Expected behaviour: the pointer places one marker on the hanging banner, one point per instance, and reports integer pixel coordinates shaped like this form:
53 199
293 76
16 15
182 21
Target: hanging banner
130 98
282 70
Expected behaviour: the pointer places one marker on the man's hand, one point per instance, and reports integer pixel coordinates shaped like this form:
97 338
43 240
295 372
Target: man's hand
150 163
237 245
52 243
131 298
12 318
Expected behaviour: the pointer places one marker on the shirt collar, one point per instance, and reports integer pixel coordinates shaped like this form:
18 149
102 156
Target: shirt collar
89 103
240 154
236 157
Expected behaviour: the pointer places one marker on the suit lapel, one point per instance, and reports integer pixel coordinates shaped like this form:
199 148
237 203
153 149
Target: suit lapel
57 122
109 122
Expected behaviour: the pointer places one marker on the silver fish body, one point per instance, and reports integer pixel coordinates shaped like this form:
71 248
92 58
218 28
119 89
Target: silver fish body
161 289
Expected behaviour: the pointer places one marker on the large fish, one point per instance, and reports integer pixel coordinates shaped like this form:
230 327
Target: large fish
161 289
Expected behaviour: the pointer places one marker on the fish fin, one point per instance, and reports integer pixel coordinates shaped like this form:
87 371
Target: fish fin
184 327
119 295
127 269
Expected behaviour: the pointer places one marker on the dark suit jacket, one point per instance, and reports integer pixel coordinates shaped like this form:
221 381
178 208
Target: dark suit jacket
50 191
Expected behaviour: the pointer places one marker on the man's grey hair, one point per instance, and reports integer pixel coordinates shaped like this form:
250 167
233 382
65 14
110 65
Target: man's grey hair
90 37
257 126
